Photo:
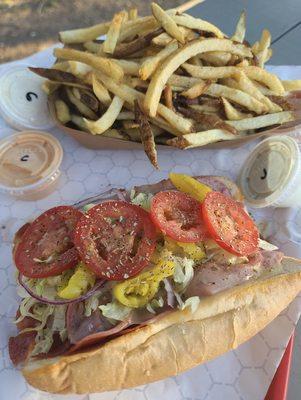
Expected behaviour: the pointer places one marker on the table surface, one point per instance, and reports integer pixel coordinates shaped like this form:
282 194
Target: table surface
283 19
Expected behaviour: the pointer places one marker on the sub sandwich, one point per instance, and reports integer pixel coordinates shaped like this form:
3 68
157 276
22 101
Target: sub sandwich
131 287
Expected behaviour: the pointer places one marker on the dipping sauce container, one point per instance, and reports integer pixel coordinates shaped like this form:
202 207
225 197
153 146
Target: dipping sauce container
23 103
271 176
29 164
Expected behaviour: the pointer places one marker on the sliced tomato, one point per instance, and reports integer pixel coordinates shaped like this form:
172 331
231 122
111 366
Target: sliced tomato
229 224
177 215
46 247
115 239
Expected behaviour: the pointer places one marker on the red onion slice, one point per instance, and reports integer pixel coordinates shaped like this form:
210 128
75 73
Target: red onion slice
98 285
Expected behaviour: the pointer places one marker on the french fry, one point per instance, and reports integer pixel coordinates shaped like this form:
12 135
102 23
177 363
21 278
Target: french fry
84 34
133 14
183 82
262 121
129 67
208 121
125 115
93 47
62 111
240 31
167 23
130 124
232 113
264 44
126 49
196 90
102 64
216 58
113 33
291 85
197 24
146 134
168 100
151 63
61 66
107 119
245 84
81 107
252 72
79 69
58 76
87 98
137 27
200 139
178 124
174 61
79 122
50 87
237 96
188 5
100 91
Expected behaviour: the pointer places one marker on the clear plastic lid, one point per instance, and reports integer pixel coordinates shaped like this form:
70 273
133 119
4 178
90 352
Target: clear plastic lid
271 172
29 161
23 104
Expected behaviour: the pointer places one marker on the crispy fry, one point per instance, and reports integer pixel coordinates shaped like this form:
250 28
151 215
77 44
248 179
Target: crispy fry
240 31
87 98
125 115
174 61
130 124
126 49
262 121
200 139
62 111
167 23
290 85
147 137
188 5
133 14
264 44
100 63
252 72
216 58
232 113
137 27
197 24
61 66
81 107
79 69
50 87
58 76
129 67
100 91
237 96
183 82
79 122
178 124
84 34
107 119
206 108
196 90
167 92
151 63
245 84
207 121
114 32
93 47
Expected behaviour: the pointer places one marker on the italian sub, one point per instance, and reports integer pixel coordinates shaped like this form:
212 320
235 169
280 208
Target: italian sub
131 287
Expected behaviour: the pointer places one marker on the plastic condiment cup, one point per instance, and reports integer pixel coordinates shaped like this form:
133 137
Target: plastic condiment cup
29 164
271 175
23 103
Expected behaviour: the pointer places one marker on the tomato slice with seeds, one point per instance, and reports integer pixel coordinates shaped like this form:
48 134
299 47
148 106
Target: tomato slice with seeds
115 239
46 247
229 224
178 216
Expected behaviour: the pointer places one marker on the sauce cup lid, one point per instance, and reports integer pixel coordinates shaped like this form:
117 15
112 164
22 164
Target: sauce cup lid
270 172
28 160
23 103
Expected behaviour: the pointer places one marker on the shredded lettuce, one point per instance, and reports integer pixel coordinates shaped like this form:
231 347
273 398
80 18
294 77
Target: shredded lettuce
155 303
88 207
44 341
91 304
141 199
115 311
183 272
192 302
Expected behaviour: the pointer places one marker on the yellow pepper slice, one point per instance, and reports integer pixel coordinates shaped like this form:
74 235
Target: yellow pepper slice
78 284
195 251
187 184
137 292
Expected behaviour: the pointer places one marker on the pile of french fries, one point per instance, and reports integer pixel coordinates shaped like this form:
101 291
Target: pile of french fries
168 78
